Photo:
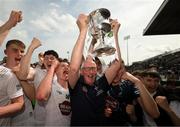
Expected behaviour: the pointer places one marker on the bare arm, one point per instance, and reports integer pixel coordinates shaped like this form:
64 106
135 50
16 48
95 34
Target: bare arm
115 26
163 103
77 53
15 17
29 90
15 106
145 100
26 72
25 62
44 89
112 71
28 87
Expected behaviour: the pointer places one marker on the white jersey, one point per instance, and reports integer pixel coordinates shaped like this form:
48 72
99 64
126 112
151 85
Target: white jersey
39 111
26 116
175 106
9 88
58 109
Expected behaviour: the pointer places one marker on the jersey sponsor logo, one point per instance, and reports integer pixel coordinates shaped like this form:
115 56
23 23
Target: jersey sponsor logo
65 108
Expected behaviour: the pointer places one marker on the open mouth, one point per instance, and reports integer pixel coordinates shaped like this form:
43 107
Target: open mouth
18 59
65 72
91 76
49 65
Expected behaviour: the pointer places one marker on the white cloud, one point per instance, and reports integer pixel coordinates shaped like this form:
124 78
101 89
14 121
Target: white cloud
22 34
52 21
54 5
1 22
65 1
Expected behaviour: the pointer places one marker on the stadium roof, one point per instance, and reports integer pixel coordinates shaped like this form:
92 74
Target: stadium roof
166 20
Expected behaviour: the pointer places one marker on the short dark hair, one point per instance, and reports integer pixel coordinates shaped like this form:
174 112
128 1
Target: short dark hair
16 42
153 74
153 65
137 72
63 60
51 52
66 60
60 59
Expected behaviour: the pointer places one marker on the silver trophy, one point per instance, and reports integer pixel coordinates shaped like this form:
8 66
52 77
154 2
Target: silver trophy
100 29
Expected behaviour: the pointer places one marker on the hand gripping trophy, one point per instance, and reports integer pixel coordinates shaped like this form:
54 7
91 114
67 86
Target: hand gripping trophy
100 33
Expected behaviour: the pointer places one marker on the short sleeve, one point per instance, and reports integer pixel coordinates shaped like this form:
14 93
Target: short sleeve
14 88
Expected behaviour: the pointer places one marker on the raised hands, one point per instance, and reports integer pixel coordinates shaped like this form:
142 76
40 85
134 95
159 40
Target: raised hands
35 43
15 17
162 102
26 60
82 22
55 64
115 26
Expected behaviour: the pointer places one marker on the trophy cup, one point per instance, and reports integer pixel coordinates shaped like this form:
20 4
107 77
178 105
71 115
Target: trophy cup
100 29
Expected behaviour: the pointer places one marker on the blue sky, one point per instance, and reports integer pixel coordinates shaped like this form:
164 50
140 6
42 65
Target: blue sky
54 23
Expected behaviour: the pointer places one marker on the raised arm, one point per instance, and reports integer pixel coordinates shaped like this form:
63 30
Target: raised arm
29 89
145 100
44 90
26 60
15 17
163 103
112 71
77 53
115 26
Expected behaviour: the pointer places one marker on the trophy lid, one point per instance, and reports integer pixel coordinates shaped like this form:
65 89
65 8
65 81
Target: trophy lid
105 13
